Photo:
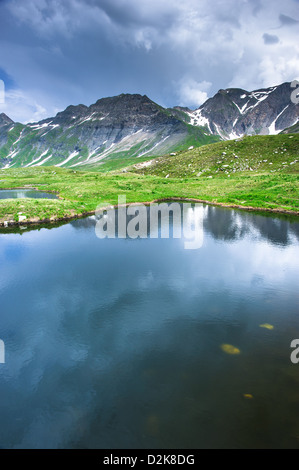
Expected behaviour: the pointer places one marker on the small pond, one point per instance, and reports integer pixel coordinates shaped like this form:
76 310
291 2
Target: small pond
140 343
21 193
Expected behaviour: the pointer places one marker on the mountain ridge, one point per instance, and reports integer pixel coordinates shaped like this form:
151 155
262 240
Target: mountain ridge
121 126
235 112
133 126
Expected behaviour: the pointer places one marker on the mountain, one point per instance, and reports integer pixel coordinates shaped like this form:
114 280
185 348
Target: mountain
235 112
118 130
5 120
291 130
123 126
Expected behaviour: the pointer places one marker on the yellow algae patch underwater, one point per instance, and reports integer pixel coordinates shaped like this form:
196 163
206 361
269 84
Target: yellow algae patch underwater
248 396
229 349
267 326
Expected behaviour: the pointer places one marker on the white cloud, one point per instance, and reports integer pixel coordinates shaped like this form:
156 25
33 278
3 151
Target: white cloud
192 93
144 38
263 65
22 107
283 68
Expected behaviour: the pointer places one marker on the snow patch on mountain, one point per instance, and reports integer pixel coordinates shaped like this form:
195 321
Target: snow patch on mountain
272 127
70 157
37 159
44 161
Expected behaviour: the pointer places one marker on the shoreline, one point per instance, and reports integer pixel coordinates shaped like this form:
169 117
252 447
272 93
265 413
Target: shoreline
53 220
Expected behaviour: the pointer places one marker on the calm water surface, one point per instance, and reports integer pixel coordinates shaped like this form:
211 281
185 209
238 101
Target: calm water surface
20 193
116 343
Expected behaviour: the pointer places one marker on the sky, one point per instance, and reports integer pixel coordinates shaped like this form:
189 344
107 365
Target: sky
54 53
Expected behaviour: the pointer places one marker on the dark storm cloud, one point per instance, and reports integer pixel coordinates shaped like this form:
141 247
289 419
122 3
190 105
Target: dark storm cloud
270 38
125 14
74 51
287 20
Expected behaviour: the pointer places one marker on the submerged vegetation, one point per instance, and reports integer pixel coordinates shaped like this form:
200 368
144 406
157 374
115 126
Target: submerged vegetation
254 172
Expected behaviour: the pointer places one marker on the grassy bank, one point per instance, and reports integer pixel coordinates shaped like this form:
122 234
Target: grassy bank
195 174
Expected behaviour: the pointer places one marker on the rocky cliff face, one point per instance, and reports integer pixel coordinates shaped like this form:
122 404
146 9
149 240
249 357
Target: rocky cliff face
122 126
5 120
235 112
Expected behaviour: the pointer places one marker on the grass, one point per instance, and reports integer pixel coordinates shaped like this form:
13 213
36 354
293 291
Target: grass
246 181
257 154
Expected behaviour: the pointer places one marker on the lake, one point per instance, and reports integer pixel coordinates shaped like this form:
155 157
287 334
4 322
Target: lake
21 193
122 343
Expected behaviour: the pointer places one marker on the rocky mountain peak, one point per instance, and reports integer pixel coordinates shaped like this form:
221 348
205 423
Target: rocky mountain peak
235 112
5 120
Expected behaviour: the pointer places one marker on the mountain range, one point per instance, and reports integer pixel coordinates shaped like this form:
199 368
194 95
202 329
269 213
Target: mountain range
234 112
133 126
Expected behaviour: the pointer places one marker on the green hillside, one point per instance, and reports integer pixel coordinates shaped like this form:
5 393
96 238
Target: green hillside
252 155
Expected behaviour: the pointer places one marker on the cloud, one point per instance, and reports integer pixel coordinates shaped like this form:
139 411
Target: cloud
287 20
192 93
285 68
65 52
21 107
270 38
65 18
